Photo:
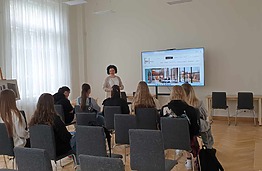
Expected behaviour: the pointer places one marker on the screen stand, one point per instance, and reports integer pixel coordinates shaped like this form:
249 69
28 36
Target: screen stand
162 94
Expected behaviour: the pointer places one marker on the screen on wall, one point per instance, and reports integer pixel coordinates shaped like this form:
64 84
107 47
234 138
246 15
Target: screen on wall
173 67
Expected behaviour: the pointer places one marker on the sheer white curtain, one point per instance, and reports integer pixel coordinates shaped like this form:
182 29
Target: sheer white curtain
36 47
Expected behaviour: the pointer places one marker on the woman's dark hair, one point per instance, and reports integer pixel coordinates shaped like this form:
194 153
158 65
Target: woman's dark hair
115 91
111 66
85 89
63 89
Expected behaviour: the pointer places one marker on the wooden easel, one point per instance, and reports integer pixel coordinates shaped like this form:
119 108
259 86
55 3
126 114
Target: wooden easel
1 74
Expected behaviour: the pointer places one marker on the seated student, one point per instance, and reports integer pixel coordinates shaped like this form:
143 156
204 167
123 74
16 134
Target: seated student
205 127
45 114
115 100
61 97
179 108
89 104
142 97
13 119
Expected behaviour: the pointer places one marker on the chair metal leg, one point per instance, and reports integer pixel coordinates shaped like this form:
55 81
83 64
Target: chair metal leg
5 161
254 115
228 117
192 162
236 117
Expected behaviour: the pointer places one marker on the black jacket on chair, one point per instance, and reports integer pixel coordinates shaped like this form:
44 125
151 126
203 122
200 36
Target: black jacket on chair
180 107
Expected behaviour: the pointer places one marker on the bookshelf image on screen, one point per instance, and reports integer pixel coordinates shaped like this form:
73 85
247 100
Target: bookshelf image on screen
173 67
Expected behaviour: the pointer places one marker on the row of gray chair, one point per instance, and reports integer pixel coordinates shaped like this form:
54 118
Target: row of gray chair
244 102
174 135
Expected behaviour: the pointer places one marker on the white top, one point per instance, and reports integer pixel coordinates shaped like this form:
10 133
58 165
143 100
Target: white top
19 133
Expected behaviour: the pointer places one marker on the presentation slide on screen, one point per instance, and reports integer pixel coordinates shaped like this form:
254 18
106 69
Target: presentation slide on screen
173 67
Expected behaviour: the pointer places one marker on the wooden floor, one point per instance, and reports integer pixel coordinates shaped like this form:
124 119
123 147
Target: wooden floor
239 148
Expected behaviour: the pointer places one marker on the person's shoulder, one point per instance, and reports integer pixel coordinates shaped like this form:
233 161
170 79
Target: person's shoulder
106 101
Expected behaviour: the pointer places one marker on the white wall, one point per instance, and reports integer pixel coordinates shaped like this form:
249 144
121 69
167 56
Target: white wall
230 31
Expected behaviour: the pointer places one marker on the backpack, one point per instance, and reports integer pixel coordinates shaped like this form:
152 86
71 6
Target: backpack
89 108
208 160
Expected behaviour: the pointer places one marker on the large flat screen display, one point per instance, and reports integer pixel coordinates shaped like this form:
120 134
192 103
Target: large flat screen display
173 67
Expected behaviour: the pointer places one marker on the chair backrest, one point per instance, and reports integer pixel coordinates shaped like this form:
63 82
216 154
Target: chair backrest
146 118
78 109
219 100
99 163
175 133
90 140
60 111
6 143
146 150
245 100
123 95
109 113
122 125
32 159
42 137
85 118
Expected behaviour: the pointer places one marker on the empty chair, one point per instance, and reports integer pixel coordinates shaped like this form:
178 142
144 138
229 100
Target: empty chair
219 101
32 159
90 140
245 102
6 143
147 151
42 137
99 163
146 118
122 125
109 113
85 118
176 134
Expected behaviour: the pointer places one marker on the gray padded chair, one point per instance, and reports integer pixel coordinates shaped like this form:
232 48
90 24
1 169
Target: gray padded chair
90 140
122 125
176 134
96 163
78 109
6 143
219 101
32 159
146 118
85 118
60 111
109 113
147 151
42 137
244 103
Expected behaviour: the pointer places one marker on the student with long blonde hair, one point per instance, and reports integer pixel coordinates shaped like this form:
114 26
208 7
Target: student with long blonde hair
12 118
142 98
205 127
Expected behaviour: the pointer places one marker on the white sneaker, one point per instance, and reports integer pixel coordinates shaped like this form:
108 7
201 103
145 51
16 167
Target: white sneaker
188 164
178 152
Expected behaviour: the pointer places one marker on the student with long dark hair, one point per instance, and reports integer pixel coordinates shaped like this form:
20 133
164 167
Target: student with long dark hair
12 118
45 114
89 104
115 100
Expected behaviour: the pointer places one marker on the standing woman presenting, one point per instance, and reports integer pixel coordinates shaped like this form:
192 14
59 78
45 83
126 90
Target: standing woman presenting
112 80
